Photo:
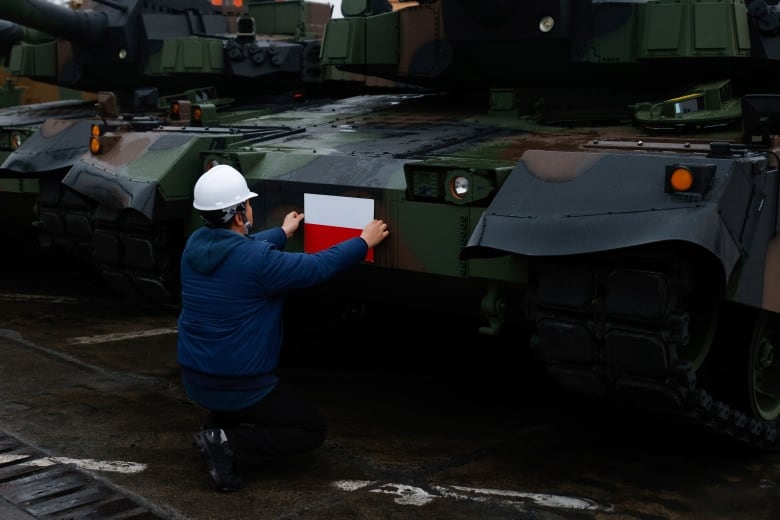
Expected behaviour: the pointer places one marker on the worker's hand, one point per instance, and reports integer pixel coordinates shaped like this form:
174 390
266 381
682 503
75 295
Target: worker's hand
291 222
374 232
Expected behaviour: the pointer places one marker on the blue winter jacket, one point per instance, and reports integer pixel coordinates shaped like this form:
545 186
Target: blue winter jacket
230 326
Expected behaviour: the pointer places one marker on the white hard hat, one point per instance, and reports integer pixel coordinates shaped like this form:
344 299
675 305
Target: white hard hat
221 187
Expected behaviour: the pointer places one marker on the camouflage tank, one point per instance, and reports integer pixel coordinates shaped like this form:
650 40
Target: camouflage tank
24 105
174 45
517 185
645 260
146 53
636 286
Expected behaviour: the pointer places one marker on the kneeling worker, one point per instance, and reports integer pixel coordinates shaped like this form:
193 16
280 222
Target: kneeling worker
230 328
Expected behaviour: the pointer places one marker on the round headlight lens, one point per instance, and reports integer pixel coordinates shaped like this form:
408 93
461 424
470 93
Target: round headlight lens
546 24
459 187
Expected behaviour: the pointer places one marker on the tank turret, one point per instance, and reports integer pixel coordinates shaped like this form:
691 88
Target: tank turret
568 44
171 44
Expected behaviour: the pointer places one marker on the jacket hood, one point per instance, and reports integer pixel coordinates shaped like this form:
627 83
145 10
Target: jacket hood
208 247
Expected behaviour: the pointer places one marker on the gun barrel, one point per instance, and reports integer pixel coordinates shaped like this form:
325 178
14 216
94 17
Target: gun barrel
86 26
11 33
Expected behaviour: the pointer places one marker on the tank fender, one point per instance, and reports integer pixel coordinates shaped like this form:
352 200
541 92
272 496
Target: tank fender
54 148
112 191
570 203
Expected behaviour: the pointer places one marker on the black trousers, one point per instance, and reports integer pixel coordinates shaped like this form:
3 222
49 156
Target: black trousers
282 423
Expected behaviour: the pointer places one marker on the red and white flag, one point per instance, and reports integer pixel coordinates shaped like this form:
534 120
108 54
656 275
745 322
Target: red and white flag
330 219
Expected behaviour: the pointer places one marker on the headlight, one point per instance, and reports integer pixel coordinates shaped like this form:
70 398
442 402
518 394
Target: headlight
459 187
546 24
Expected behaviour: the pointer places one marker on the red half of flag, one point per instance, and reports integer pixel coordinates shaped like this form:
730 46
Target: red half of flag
317 237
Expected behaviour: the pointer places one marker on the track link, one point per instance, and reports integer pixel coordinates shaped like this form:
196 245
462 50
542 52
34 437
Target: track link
641 328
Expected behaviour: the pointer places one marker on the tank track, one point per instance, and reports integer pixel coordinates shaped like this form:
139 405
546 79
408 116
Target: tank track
135 258
64 219
139 260
638 332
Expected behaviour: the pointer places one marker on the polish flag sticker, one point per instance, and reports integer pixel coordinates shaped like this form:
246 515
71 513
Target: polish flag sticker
330 219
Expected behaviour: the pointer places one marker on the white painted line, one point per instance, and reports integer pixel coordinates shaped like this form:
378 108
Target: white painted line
539 499
12 297
120 336
415 496
116 466
10 457
407 495
353 485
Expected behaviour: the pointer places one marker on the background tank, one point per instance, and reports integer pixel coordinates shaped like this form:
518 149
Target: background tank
24 105
146 53
518 191
170 44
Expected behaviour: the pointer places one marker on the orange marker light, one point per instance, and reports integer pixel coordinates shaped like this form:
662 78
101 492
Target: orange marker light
94 145
681 179
95 130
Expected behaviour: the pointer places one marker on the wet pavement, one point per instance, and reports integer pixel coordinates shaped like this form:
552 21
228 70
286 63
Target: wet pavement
426 421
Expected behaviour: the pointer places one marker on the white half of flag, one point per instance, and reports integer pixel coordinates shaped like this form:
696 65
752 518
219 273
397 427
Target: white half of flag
332 219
